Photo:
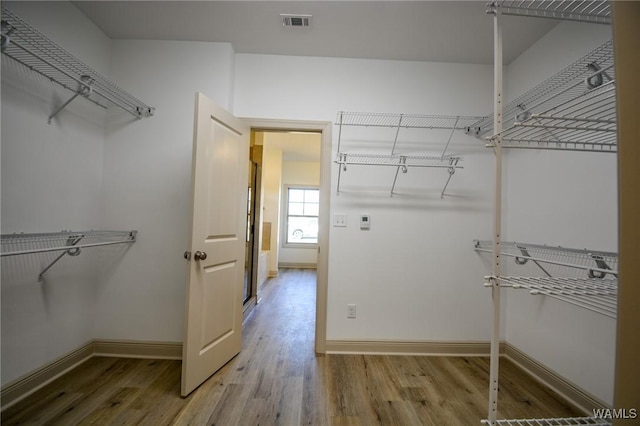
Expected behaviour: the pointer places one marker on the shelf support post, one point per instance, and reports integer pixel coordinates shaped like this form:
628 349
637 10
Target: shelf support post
497 225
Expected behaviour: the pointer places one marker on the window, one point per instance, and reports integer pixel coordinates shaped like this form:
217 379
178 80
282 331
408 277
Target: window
303 206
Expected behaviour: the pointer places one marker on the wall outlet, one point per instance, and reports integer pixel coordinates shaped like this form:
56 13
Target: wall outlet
351 310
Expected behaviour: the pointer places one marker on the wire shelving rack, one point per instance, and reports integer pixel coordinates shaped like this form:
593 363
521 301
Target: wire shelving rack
402 162
594 285
572 110
29 47
569 421
594 11
68 242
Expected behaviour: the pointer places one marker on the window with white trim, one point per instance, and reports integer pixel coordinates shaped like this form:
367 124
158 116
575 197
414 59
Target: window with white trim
301 222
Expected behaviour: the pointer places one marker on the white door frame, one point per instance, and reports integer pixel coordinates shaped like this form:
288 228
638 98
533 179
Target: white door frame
325 127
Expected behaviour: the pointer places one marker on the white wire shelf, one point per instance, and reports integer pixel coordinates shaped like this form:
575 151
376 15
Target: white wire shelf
26 45
585 123
570 421
594 11
596 295
596 263
402 162
68 242
405 121
583 90
596 291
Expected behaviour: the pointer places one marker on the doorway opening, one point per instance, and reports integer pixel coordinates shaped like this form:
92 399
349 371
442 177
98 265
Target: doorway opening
283 202
288 154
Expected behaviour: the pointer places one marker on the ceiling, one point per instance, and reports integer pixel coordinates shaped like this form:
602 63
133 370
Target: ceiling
435 31
295 146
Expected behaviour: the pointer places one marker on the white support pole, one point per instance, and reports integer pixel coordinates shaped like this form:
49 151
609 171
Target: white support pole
497 225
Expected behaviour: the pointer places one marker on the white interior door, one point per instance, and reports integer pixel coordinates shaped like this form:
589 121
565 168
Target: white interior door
213 325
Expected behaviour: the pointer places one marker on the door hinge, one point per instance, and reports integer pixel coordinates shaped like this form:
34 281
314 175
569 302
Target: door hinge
187 255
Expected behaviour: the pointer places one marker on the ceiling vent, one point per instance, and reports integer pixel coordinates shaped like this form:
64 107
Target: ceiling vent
289 20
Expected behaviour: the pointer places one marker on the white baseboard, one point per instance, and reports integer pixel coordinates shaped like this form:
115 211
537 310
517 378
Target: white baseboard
26 385
20 388
397 347
137 349
543 374
297 265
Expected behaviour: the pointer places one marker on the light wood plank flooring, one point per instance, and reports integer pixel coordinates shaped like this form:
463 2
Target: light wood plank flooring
278 380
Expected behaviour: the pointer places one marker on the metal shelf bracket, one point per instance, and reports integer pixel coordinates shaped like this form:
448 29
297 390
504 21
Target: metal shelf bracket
84 89
602 265
71 241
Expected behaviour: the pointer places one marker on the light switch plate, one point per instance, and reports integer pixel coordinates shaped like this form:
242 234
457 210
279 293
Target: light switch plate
340 220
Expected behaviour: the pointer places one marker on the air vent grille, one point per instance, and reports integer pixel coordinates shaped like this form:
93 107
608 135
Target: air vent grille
289 20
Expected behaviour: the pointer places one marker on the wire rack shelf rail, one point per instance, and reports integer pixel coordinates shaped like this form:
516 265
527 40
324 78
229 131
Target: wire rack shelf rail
594 285
595 295
408 121
392 158
572 110
594 11
570 421
596 261
68 242
29 47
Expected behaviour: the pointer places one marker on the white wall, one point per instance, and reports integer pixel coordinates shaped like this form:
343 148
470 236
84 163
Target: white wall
567 199
147 182
271 191
415 272
51 181
299 173
97 170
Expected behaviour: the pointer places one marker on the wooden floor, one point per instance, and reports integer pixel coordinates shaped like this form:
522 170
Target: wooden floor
278 380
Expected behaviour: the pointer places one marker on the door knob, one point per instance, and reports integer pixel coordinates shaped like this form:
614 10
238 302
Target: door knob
200 255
